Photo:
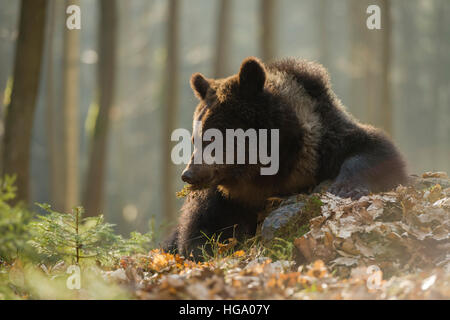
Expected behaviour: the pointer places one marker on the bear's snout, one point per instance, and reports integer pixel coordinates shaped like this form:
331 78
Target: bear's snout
187 176
196 175
200 176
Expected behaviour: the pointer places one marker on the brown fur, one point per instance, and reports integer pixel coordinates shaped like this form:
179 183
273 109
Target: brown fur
319 140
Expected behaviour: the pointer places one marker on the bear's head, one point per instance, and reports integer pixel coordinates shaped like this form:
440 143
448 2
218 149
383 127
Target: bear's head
239 103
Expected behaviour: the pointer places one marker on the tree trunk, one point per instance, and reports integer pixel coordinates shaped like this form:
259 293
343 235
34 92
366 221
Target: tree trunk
53 155
386 101
95 182
70 115
170 114
357 59
268 29
370 65
223 39
20 112
441 85
324 39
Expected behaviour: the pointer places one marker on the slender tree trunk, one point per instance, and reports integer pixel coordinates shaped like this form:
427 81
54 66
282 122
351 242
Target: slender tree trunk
54 160
95 182
268 28
223 39
370 65
170 114
70 115
357 56
323 14
363 64
441 85
386 106
123 68
20 112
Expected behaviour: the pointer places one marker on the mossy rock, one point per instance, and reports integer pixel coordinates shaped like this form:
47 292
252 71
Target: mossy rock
291 218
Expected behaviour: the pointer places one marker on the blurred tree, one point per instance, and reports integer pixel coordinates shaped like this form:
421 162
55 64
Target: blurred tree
323 21
359 59
71 70
441 94
222 39
386 67
20 111
370 64
9 17
170 114
54 156
268 29
106 75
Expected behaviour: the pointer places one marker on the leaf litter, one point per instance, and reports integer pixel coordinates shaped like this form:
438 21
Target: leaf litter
391 245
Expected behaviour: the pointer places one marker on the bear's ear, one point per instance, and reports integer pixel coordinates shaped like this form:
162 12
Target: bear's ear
199 85
252 76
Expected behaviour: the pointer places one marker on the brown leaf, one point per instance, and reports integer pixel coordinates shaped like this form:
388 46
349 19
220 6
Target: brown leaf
439 174
303 244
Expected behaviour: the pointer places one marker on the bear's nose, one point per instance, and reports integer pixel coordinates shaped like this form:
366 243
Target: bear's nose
187 176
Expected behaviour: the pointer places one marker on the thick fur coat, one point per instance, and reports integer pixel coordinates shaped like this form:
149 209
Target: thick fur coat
318 140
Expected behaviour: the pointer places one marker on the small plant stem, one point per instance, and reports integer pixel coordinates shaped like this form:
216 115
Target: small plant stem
76 230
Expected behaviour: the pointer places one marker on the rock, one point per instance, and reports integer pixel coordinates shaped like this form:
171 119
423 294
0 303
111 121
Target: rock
390 225
279 218
423 183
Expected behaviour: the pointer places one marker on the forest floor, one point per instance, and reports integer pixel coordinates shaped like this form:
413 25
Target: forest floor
393 245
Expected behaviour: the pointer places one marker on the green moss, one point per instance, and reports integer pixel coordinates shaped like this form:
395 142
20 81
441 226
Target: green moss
281 247
299 224
313 206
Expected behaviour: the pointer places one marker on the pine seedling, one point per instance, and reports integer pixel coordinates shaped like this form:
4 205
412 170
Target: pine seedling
70 236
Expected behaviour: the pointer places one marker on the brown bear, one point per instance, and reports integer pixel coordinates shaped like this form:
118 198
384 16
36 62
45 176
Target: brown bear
318 140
